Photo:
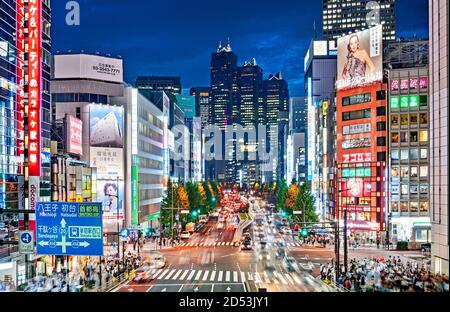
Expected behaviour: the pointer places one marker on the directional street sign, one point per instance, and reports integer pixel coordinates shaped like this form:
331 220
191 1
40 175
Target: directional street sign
74 229
26 242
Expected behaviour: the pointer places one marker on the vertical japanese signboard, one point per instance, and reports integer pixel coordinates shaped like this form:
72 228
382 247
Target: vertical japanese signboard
20 44
34 88
135 191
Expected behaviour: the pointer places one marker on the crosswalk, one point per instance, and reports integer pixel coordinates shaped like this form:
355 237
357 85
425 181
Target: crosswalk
227 244
225 276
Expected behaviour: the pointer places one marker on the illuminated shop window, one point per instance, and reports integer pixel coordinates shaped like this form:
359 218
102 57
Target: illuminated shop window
403 137
404 119
413 119
394 136
394 154
394 206
423 153
424 207
394 172
404 172
423 117
414 170
404 207
423 135
413 137
423 171
414 154
404 153
414 206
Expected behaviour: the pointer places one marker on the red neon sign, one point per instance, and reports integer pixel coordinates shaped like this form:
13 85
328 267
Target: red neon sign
357 157
34 88
20 44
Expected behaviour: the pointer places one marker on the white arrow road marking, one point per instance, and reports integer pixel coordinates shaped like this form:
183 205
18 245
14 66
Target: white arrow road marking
190 275
196 289
228 289
164 289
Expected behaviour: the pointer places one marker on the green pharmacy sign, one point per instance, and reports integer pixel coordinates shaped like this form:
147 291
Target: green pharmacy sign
356 172
134 191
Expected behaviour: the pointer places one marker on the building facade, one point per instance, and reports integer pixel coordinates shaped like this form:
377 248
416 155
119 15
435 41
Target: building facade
439 114
159 83
202 104
408 167
341 17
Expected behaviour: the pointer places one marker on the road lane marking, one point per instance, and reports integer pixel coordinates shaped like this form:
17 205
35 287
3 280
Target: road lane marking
243 277
280 276
205 276
176 275
227 276
297 279
219 278
170 274
235 276
164 273
190 275
250 277
197 277
213 274
184 274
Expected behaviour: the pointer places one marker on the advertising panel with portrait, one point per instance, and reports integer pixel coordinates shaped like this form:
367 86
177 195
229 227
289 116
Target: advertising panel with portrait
360 58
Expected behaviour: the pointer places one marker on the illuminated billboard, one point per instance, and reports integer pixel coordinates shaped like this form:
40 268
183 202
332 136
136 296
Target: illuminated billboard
74 135
356 187
356 158
34 88
360 58
108 161
20 72
111 196
356 143
88 67
106 126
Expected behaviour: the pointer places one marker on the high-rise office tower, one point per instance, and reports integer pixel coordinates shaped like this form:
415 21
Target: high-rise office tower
298 114
439 114
224 109
159 83
202 104
276 113
341 17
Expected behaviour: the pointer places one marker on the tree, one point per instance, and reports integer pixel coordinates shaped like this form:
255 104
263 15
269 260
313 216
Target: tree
170 200
183 197
305 203
202 194
281 195
291 196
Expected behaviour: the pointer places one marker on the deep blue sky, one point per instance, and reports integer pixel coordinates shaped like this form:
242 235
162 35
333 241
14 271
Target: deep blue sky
156 37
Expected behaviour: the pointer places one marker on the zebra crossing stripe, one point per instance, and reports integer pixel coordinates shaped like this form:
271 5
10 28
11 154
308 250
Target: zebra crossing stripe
228 243
184 274
249 276
280 276
289 278
197 277
164 273
222 243
227 276
157 273
235 277
190 275
176 275
201 244
267 279
243 277
205 276
170 274
219 278
213 274
257 278
297 280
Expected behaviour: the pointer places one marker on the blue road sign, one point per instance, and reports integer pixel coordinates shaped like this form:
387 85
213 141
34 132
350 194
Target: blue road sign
124 232
74 229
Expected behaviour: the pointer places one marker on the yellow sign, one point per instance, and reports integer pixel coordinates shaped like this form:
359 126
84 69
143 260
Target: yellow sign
324 107
79 199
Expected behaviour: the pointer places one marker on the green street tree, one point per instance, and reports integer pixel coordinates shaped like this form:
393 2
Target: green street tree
281 195
170 200
304 202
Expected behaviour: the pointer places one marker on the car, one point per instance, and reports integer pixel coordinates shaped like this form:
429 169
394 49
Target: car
144 274
246 245
204 221
155 260
290 264
185 235
281 252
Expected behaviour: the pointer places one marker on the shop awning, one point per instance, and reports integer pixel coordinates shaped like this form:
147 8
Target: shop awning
155 215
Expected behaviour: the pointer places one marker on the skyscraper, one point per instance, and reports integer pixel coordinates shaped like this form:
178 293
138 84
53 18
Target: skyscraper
202 104
439 114
348 16
224 108
276 113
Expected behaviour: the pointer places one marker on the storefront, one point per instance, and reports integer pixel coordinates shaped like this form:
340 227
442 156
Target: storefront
410 229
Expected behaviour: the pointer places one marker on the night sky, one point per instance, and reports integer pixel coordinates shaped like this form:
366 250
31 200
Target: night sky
177 37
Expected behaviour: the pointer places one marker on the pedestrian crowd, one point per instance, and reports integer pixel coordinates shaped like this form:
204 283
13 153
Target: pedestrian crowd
385 275
314 240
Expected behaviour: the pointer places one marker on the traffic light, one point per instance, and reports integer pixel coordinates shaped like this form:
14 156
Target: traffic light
194 213
198 211
213 199
305 232
147 231
283 213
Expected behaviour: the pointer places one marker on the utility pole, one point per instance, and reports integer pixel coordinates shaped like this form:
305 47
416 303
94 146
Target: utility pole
345 241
